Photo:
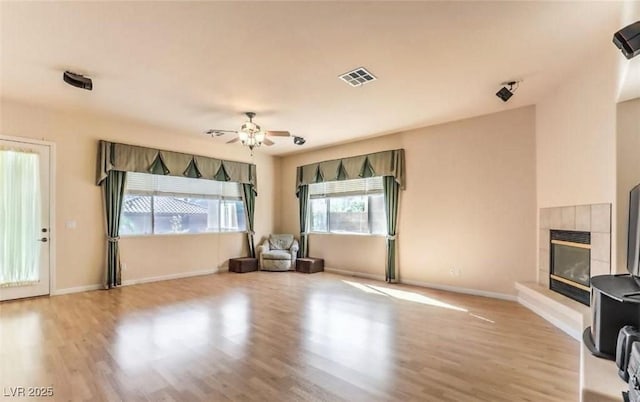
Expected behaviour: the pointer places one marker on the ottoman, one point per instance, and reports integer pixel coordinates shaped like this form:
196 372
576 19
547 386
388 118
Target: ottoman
309 265
243 264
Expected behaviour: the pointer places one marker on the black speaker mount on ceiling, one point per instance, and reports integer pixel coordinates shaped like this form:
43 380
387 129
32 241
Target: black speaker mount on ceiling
77 80
506 93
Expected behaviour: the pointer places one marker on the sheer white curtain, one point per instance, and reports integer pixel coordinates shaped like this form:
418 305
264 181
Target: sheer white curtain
20 216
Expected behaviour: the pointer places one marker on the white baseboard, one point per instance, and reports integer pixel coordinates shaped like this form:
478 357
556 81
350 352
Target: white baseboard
169 277
355 274
456 289
76 289
129 282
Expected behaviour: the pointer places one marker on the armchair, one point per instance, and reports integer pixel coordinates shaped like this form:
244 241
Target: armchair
278 253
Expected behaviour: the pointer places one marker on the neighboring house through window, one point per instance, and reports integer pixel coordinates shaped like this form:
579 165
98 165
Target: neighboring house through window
155 204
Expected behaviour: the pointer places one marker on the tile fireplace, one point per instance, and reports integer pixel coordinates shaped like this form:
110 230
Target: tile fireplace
574 246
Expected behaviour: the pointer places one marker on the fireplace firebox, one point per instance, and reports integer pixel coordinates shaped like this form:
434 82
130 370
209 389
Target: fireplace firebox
570 270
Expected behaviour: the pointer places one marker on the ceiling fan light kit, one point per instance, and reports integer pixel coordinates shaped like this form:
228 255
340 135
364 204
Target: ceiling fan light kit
253 136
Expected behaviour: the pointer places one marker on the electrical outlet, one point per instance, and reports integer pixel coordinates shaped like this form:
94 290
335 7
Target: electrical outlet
452 271
124 266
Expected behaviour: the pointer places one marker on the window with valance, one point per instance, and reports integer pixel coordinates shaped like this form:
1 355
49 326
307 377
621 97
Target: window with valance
115 160
389 165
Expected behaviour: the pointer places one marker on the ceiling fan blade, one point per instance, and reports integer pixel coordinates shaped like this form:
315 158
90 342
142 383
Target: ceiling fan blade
217 133
268 142
233 140
279 133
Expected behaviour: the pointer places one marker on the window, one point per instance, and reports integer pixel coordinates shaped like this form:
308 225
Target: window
155 204
348 206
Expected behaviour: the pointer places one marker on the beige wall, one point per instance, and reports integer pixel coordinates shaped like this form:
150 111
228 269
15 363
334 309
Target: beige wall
576 137
628 170
469 204
80 251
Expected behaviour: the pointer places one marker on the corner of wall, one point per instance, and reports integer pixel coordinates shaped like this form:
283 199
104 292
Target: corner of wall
277 194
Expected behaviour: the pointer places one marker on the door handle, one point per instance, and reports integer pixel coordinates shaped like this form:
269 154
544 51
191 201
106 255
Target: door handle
44 240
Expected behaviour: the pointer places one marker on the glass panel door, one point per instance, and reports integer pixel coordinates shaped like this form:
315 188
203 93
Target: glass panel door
24 219
571 263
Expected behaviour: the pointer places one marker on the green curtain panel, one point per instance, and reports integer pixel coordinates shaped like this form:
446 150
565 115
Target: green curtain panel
113 192
391 193
303 200
249 197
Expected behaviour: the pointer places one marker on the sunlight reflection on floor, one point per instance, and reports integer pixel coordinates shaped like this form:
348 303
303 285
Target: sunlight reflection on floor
411 296
404 295
350 334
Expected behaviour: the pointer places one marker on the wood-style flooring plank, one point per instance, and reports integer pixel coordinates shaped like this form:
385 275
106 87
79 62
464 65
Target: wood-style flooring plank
283 336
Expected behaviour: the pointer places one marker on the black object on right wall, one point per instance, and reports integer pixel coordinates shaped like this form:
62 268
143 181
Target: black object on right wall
628 40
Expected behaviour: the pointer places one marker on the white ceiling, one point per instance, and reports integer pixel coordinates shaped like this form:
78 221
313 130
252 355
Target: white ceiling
193 66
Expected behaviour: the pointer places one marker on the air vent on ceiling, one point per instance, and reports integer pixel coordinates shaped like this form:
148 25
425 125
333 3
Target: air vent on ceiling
357 77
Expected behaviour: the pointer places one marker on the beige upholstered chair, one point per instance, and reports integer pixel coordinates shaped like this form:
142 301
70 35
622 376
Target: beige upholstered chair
278 253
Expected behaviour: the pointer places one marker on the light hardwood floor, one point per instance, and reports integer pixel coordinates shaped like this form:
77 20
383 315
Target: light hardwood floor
283 337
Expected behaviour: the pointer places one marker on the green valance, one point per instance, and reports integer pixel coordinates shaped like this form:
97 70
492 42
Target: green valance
131 158
385 163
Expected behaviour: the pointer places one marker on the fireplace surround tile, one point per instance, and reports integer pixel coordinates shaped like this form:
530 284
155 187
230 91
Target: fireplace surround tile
543 278
583 218
568 218
600 268
544 239
601 218
601 247
555 218
545 218
544 260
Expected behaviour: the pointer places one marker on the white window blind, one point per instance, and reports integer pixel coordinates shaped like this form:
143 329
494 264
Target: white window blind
143 183
370 185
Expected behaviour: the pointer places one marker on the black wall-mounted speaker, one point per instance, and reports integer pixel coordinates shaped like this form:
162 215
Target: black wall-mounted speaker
77 80
504 94
628 40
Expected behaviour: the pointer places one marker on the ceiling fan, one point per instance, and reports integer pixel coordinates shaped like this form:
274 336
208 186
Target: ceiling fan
252 135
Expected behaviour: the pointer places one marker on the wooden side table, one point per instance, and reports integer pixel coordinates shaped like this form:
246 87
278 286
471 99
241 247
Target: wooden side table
309 265
243 264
